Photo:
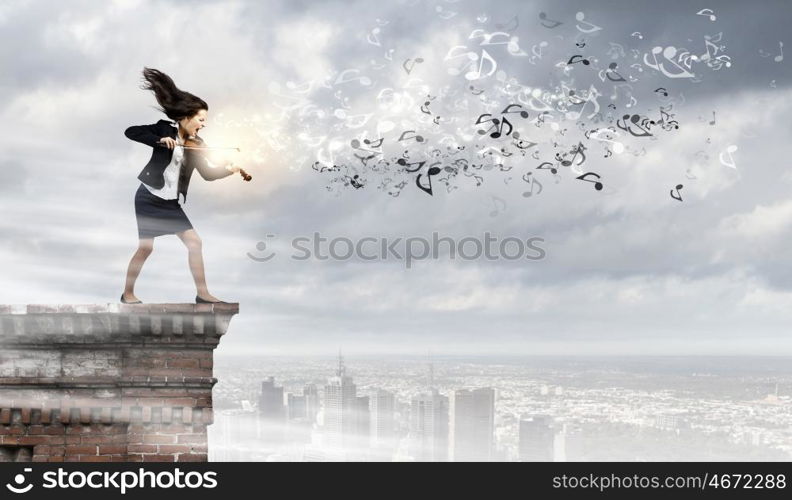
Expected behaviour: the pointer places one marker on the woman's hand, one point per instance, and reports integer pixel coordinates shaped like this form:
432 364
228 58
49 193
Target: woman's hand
170 142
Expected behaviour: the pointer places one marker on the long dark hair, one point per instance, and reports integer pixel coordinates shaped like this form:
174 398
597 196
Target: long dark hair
174 102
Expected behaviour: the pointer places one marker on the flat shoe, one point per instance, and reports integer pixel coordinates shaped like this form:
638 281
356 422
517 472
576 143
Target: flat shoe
199 300
125 302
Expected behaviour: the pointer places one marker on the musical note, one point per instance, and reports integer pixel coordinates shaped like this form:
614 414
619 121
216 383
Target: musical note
618 147
592 96
572 60
541 45
354 181
597 183
592 27
534 183
508 110
612 71
730 163
678 196
409 64
476 75
707 12
454 53
544 18
513 47
415 136
577 151
372 37
547 166
669 53
635 119
779 57
638 34
713 119
425 106
661 90
408 167
495 202
374 144
475 91
521 144
343 78
497 134
429 173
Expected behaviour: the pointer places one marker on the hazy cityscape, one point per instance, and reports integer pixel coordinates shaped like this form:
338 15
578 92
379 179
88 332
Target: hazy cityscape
436 408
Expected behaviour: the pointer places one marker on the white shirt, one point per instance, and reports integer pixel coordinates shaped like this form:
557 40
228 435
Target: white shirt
171 174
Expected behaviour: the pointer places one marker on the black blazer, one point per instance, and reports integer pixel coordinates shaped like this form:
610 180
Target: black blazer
152 173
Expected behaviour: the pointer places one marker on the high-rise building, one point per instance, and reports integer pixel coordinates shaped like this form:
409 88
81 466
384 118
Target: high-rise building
362 426
472 425
312 402
271 400
295 407
340 405
383 425
271 413
537 439
429 427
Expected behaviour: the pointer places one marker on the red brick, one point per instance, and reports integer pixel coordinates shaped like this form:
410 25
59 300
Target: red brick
81 450
183 363
192 438
142 448
192 457
174 448
159 458
159 439
95 458
114 449
25 440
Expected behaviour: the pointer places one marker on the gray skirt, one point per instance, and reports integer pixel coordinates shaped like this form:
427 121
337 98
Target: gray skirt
157 217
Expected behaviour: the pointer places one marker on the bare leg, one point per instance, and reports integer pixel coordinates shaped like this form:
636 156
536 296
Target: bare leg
195 259
145 247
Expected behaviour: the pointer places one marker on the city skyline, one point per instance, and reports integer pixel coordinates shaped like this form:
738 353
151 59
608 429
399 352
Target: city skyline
544 410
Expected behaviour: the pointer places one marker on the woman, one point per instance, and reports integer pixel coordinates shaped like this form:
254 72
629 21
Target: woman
166 176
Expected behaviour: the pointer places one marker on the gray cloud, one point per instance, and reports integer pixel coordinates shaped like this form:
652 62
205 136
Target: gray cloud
628 271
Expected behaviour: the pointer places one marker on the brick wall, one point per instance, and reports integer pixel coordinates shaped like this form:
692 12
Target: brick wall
108 382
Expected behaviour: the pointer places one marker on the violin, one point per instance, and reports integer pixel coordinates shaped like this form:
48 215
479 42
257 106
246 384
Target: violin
198 144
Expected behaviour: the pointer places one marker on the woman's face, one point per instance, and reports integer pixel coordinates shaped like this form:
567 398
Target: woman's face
194 124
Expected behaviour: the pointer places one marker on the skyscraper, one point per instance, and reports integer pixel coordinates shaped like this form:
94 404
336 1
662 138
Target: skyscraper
271 400
429 427
537 438
296 407
472 425
271 413
340 404
383 425
312 402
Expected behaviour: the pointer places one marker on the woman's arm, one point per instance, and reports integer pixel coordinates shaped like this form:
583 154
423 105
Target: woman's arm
208 172
146 134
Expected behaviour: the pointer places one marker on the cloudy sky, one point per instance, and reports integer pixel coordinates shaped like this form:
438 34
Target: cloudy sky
627 270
